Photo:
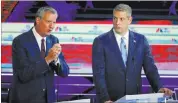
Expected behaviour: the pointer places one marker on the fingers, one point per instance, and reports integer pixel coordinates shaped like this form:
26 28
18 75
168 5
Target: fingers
57 47
166 91
161 91
54 52
108 101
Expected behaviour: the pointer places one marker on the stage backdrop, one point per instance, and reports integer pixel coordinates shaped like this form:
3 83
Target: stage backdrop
77 38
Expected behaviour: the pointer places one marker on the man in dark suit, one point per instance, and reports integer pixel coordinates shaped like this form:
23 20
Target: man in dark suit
37 55
118 57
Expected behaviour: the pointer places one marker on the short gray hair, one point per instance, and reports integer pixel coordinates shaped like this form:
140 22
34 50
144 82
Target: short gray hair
124 7
42 10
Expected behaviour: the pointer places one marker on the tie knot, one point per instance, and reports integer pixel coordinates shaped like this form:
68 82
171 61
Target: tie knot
122 39
42 40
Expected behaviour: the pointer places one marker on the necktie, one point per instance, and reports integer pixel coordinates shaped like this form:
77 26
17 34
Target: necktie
123 51
43 56
42 48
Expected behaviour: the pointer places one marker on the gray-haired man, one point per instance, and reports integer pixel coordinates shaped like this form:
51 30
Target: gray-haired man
36 56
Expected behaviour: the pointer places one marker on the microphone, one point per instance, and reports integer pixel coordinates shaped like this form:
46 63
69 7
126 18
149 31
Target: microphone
134 41
124 46
132 58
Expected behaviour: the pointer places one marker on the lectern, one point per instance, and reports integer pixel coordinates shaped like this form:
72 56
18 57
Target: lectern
143 98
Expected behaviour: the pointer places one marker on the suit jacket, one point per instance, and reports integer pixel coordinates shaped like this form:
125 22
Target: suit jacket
30 70
112 79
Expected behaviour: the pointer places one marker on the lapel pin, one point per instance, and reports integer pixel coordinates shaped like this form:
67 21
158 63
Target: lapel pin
48 41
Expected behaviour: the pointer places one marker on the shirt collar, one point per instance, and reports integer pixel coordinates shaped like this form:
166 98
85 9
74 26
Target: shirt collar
126 35
37 36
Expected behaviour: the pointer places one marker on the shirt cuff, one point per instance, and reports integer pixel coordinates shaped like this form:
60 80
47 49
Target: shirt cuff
57 62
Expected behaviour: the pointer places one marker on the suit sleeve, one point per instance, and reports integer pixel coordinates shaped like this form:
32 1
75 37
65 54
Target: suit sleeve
150 68
25 69
61 69
98 67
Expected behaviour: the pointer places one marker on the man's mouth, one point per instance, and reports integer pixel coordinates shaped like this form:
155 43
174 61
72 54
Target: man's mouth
49 30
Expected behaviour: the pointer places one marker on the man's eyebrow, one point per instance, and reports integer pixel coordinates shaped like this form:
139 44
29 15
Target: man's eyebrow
115 17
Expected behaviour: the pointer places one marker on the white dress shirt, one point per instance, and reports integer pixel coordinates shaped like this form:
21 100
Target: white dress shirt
126 39
38 39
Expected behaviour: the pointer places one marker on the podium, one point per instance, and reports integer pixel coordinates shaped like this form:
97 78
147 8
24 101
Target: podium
143 98
138 98
77 101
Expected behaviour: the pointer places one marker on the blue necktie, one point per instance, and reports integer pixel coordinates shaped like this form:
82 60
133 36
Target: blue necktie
123 51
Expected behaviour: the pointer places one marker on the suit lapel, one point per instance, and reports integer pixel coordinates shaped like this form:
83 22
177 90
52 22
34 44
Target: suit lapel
115 48
132 45
34 48
33 45
48 44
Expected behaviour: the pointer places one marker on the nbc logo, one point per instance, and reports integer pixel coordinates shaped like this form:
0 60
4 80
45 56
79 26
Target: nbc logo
162 30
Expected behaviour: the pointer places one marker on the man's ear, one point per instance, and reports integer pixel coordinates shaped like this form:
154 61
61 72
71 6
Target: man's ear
37 20
130 19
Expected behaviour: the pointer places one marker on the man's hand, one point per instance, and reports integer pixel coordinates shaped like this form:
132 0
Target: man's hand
108 101
166 91
53 53
57 49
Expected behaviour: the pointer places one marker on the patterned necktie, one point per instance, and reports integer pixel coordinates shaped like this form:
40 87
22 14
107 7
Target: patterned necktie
42 48
123 51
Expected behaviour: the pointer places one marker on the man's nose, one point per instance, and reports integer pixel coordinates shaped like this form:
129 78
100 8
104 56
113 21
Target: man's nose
118 22
51 25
